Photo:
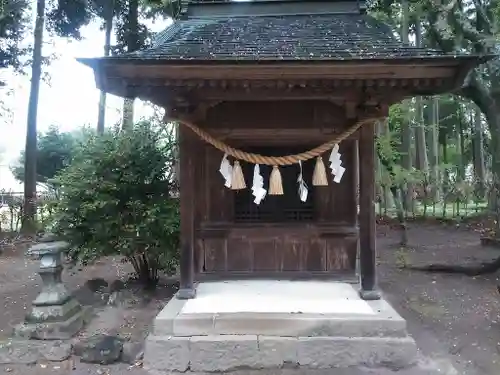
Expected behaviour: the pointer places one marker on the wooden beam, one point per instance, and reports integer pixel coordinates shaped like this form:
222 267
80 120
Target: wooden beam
335 70
367 254
187 211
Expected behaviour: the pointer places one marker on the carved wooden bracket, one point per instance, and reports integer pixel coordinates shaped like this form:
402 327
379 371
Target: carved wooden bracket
191 111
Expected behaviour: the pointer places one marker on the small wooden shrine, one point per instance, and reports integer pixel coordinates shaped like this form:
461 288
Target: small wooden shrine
276 102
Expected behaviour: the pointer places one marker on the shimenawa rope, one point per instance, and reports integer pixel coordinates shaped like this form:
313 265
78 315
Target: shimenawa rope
273 160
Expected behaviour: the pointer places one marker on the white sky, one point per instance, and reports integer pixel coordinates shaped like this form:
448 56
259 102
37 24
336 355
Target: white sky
70 101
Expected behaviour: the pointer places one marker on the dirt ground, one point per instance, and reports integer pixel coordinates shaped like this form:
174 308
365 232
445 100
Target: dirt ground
451 316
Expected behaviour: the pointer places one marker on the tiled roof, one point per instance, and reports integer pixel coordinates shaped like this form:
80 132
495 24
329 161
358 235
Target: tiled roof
289 37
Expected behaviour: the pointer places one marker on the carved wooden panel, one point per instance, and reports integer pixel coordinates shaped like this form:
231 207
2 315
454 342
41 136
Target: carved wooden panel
279 249
287 115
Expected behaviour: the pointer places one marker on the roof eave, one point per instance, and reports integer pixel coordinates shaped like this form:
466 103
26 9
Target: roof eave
94 62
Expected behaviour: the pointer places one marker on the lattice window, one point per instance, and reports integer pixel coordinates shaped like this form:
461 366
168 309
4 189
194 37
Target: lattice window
276 208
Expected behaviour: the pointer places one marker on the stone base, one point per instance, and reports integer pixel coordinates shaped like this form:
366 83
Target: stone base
54 330
434 369
53 313
278 325
232 352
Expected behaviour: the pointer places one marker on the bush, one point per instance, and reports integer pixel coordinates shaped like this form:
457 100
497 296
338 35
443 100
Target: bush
116 199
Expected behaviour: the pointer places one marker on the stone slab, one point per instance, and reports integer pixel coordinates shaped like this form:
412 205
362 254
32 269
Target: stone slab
55 294
232 352
385 322
45 248
54 313
433 369
166 353
28 352
163 324
61 330
277 296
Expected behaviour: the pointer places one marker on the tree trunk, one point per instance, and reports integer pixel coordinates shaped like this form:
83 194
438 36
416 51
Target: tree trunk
387 194
421 147
108 27
132 45
378 172
434 150
479 167
406 133
495 168
393 188
128 113
461 141
479 94
29 211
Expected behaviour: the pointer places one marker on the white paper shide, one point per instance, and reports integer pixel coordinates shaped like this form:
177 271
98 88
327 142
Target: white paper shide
258 190
336 164
226 170
303 191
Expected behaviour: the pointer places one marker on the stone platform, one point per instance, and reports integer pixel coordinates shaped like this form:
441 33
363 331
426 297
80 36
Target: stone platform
267 324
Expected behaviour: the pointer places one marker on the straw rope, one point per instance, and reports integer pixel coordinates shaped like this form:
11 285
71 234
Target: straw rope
274 160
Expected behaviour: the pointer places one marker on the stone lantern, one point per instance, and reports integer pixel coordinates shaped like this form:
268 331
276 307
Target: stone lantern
55 314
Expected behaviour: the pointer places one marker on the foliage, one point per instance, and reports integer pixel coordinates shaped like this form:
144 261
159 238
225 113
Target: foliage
165 8
115 199
13 27
67 17
54 153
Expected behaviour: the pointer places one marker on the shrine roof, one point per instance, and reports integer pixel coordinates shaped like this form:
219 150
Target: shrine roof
320 37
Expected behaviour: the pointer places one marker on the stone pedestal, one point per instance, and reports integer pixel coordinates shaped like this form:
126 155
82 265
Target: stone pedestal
54 314
303 327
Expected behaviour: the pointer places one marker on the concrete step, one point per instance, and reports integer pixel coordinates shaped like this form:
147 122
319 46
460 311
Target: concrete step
267 324
384 322
221 353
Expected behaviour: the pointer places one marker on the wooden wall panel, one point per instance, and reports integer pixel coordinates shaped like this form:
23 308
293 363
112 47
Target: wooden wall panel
341 254
265 254
275 114
316 255
292 252
279 253
239 255
219 200
215 254
336 203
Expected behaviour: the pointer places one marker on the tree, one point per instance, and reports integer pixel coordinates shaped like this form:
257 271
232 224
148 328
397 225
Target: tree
107 13
29 212
132 34
64 19
117 200
457 26
13 26
55 150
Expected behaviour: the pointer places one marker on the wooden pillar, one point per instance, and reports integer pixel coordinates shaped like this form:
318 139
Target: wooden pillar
367 255
187 212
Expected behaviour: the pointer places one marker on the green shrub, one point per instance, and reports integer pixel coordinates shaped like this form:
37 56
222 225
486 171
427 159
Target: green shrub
116 199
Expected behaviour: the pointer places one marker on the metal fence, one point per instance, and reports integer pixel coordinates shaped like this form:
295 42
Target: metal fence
11 208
